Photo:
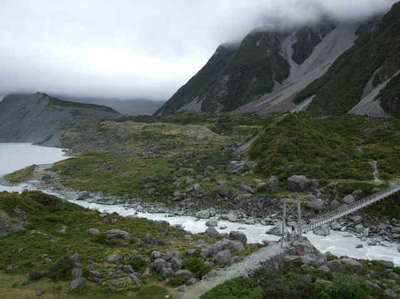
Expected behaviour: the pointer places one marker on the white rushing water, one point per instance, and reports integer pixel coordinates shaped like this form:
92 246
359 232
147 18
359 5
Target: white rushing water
16 156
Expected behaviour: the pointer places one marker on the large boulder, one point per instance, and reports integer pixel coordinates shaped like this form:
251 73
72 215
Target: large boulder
238 236
212 223
298 183
223 258
205 214
212 232
77 284
117 237
349 199
315 203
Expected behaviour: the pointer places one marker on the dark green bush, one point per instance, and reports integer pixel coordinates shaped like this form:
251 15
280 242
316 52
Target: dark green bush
234 289
197 266
138 264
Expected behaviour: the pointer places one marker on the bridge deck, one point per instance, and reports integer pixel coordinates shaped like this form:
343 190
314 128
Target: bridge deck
351 208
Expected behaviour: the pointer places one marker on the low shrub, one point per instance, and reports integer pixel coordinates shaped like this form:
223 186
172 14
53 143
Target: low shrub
197 266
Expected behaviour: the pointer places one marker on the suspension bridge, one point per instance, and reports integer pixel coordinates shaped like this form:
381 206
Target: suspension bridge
304 227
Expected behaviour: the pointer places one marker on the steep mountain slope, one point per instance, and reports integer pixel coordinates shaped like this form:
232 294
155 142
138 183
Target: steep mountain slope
328 68
359 75
265 64
124 106
39 118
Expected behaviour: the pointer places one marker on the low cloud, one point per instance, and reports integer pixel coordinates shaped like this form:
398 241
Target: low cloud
128 49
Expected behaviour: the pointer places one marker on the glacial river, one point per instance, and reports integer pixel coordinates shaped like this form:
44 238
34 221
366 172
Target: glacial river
14 156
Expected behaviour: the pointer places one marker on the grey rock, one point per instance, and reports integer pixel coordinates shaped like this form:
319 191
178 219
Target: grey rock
93 231
247 188
184 273
359 228
176 263
135 279
159 264
298 183
181 289
349 199
335 204
117 237
114 259
356 219
212 232
76 273
351 262
77 284
127 269
262 187
315 203
156 255
223 258
239 236
75 258
212 223
205 214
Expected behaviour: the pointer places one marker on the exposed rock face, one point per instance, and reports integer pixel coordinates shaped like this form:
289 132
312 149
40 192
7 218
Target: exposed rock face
329 68
42 119
262 66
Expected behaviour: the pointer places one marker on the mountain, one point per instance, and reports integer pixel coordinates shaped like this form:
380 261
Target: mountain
123 106
326 68
42 119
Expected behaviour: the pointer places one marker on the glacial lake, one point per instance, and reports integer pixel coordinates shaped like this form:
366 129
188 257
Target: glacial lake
14 156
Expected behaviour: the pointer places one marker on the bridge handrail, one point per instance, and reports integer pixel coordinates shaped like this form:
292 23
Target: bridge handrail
350 208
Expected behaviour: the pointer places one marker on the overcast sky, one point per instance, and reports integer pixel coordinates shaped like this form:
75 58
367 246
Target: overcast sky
135 48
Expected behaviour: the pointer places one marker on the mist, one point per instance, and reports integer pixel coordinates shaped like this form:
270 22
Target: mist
137 49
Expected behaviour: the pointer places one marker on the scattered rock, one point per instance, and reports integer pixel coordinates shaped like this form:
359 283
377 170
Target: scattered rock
298 183
205 214
93 231
212 232
117 237
114 259
212 223
181 289
349 199
234 235
315 203
77 284
223 258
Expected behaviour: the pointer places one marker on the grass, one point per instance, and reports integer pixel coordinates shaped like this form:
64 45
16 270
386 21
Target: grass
21 176
57 229
17 286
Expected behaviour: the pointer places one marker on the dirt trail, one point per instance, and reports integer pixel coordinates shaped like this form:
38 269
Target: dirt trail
250 263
